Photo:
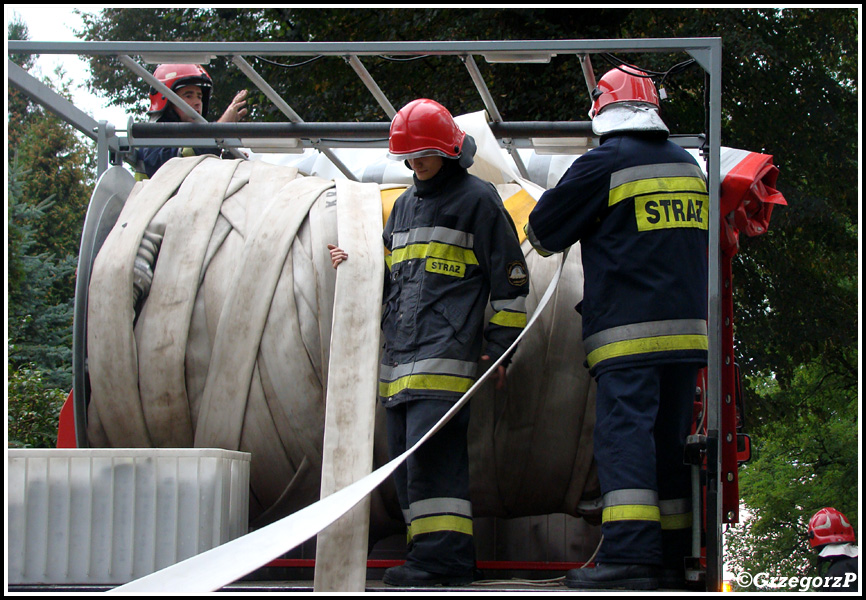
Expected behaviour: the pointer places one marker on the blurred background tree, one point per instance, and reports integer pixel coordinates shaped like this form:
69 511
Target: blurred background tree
49 180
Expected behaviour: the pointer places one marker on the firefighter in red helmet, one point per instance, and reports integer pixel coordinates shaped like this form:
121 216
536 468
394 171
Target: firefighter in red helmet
193 84
638 205
625 85
453 250
832 534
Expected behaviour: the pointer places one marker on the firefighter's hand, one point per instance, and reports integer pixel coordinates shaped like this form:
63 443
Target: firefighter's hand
498 376
236 110
338 255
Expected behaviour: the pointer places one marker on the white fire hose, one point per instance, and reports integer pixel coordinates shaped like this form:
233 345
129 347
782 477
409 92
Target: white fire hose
220 566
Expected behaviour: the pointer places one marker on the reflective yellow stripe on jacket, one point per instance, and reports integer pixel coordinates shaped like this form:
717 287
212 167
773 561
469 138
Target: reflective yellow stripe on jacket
509 313
433 242
435 374
671 178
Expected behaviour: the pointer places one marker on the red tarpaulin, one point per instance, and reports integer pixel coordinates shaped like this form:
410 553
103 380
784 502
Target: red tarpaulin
748 195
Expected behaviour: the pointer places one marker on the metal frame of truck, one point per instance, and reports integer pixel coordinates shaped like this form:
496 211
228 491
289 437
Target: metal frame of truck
706 51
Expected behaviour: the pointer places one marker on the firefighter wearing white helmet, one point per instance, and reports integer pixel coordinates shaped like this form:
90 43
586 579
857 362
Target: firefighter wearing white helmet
453 249
638 205
193 84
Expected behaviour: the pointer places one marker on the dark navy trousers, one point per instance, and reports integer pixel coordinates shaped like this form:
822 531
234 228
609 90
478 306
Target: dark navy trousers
433 486
643 416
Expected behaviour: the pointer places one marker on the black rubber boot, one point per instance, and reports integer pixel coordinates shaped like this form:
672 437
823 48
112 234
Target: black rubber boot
614 576
408 576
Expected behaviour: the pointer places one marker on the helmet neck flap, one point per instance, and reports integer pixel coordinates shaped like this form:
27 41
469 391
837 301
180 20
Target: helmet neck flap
624 100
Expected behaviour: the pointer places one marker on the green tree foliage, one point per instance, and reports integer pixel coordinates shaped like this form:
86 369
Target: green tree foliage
803 461
39 326
33 409
328 89
48 189
61 166
18 103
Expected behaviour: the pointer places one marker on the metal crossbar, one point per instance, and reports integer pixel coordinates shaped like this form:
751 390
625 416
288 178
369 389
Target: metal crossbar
202 52
324 137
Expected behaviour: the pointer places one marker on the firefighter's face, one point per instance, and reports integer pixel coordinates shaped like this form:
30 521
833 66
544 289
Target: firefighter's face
426 167
191 94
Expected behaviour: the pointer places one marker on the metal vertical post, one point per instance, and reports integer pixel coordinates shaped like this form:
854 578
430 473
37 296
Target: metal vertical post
103 132
714 372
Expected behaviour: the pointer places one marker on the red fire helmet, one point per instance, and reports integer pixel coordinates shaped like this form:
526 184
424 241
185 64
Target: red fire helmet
829 526
176 77
424 128
623 84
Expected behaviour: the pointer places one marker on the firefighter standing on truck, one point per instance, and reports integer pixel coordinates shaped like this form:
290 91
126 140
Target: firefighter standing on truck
452 248
638 204
193 84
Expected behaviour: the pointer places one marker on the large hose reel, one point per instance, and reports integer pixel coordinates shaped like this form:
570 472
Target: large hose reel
229 346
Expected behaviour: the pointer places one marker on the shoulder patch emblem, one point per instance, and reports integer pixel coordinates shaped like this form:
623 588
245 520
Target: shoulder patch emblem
517 275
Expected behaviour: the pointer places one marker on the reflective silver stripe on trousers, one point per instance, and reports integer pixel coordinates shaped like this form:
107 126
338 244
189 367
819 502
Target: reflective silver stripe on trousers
676 514
637 331
439 506
679 506
630 505
631 496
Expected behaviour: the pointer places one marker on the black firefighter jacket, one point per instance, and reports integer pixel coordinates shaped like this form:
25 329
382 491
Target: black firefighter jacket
638 203
452 248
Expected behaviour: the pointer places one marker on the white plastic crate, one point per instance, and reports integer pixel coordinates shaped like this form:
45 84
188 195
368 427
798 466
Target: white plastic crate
109 516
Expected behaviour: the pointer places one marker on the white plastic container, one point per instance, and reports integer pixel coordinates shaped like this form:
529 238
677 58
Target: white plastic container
109 516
